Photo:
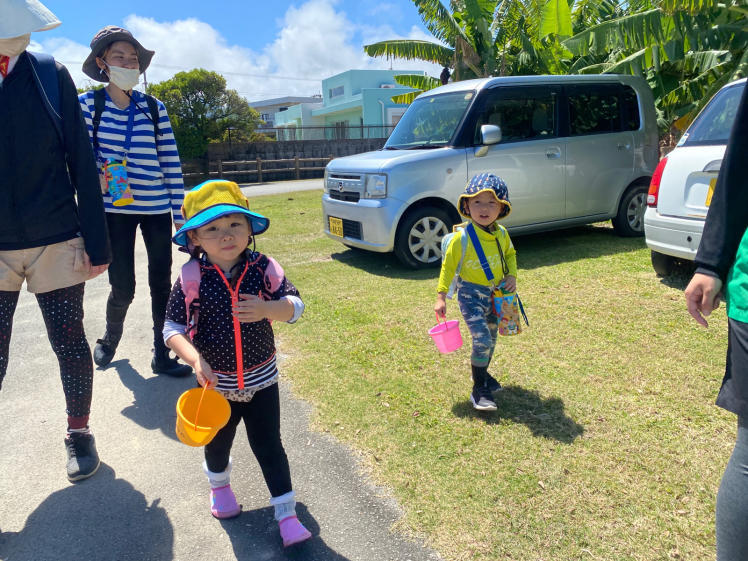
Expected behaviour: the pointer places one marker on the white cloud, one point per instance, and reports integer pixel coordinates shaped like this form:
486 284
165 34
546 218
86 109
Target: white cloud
315 41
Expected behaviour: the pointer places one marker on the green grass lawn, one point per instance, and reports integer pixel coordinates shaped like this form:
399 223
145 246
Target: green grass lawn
606 445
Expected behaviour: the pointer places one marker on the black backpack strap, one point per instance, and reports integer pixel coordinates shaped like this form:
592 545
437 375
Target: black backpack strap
45 75
99 101
153 108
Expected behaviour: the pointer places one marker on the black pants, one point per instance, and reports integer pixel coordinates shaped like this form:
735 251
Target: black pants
62 311
262 419
156 230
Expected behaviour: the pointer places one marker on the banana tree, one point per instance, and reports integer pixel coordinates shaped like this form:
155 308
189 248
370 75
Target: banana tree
687 49
480 38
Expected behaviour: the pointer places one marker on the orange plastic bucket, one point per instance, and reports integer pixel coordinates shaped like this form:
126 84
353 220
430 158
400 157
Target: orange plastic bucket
201 414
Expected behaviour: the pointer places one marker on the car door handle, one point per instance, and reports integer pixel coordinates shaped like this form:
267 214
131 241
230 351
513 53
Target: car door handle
553 154
622 146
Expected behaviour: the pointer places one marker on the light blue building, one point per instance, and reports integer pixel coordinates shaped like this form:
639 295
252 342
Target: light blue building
355 104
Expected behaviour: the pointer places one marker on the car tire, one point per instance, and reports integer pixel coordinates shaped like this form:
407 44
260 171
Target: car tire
629 222
662 264
419 236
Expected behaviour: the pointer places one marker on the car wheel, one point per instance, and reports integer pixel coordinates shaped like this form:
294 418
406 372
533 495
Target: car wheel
418 241
662 264
629 222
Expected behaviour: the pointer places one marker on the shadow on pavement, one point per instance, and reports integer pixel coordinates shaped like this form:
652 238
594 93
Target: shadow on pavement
544 417
149 397
100 518
254 535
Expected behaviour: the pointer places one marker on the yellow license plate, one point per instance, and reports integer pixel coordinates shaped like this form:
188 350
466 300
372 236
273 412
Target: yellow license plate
336 226
710 192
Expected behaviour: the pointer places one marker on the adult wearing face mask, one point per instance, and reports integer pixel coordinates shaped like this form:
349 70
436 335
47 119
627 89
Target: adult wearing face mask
141 179
53 232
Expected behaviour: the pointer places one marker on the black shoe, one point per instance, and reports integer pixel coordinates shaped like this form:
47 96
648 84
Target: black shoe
83 460
162 363
106 346
103 353
493 384
481 399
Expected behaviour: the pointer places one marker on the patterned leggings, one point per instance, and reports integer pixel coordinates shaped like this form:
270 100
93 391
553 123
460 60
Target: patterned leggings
476 306
63 316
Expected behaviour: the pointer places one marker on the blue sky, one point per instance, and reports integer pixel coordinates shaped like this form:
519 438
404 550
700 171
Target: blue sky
264 49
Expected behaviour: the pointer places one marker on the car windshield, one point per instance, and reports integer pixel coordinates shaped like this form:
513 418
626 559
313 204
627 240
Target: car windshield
713 124
430 122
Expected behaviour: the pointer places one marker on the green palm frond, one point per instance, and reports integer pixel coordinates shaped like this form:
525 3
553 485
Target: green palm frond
412 49
630 32
418 81
555 19
439 21
690 6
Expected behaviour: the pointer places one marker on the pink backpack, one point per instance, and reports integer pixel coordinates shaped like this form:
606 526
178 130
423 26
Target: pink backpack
190 276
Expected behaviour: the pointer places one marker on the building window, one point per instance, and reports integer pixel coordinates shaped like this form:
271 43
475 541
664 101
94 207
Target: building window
337 91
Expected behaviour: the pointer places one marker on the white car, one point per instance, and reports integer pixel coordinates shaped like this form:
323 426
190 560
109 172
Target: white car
683 183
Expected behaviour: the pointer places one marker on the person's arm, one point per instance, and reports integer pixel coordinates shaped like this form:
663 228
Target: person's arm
171 167
725 224
510 255
185 350
84 175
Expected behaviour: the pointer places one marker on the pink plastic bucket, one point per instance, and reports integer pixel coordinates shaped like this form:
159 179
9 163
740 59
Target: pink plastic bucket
447 336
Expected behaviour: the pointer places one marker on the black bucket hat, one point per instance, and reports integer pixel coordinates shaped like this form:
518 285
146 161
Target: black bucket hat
105 37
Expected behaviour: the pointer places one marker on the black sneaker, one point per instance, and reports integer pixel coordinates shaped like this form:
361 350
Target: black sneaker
162 363
493 384
103 353
83 460
481 399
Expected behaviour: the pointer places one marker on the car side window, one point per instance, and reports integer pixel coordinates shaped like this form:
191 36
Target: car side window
631 119
594 109
522 115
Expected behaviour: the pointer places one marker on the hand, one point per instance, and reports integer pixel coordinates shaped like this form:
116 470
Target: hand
510 283
204 373
441 306
103 184
703 295
96 270
250 308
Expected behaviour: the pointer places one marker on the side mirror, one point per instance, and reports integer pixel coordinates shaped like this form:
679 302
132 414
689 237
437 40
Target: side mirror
489 134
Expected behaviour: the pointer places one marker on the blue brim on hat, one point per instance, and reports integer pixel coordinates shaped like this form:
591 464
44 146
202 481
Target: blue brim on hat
257 222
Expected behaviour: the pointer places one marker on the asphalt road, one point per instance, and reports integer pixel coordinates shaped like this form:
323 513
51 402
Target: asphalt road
149 500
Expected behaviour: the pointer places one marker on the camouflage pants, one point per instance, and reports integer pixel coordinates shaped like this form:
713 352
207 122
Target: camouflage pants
476 306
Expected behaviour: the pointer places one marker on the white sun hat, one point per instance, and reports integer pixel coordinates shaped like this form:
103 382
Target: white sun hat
19 17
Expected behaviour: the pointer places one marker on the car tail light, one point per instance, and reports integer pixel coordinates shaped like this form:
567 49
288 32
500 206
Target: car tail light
654 186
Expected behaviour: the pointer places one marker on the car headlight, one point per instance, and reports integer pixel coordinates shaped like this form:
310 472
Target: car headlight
376 186
324 183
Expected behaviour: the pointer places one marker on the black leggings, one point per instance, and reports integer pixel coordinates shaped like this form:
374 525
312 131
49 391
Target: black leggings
732 502
262 420
62 310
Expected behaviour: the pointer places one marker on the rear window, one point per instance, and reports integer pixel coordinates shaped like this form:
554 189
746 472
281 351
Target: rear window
713 124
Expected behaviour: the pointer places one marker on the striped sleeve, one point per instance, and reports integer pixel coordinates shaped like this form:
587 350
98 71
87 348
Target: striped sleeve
168 157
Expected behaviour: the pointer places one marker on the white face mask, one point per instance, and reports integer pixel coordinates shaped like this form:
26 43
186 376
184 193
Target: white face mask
15 45
124 78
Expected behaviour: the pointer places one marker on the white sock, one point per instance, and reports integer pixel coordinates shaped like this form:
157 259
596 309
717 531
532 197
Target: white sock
285 505
84 430
220 479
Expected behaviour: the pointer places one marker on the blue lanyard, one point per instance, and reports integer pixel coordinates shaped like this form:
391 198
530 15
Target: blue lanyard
130 123
470 229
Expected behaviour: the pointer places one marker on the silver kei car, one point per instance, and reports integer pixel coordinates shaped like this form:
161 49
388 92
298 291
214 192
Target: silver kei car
572 149
683 183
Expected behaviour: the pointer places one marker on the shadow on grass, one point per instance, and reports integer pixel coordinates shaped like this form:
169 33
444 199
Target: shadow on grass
544 417
680 276
254 535
534 250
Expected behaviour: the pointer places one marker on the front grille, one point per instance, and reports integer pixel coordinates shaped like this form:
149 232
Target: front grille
352 229
346 196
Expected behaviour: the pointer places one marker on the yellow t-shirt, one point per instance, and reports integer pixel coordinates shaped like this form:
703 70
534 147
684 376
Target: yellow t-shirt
471 270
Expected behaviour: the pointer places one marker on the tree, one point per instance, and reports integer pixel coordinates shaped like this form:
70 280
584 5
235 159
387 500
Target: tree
202 110
480 38
687 49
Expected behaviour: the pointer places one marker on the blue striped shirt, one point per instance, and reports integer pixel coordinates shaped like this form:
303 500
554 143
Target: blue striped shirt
153 168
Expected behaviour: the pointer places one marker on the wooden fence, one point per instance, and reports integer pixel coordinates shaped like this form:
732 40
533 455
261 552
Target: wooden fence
258 167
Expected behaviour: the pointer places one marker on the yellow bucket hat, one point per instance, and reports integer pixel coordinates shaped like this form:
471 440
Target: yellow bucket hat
213 199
